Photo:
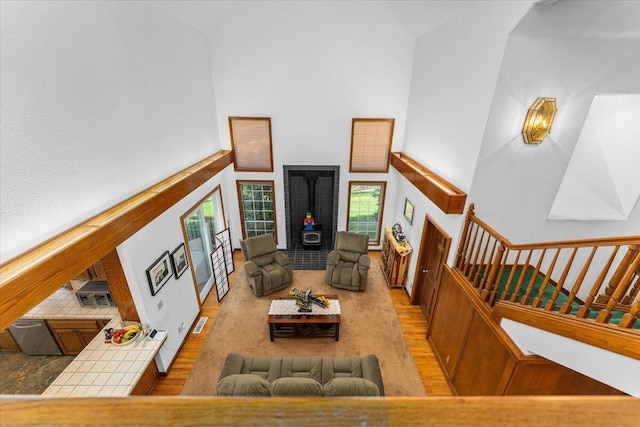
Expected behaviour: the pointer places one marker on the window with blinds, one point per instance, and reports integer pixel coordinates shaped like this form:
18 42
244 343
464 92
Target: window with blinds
371 145
251 143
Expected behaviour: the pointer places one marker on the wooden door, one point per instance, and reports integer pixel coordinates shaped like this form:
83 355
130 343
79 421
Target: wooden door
434 249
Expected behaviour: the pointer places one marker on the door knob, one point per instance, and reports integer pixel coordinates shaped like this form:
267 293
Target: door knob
425 270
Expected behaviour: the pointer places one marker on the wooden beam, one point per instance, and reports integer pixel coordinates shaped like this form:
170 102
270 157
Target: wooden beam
521 411
31 277
449 198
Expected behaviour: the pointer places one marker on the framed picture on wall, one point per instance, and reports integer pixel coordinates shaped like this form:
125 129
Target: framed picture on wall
159 272
179 260
408 211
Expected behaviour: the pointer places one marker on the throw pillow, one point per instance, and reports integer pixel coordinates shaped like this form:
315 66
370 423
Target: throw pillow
243 385
351 387
296 386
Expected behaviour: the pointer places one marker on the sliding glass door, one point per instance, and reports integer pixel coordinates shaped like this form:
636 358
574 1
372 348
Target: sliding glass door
200 226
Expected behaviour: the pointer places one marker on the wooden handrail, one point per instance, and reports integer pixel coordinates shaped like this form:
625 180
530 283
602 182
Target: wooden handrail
618 340
553 275
481 411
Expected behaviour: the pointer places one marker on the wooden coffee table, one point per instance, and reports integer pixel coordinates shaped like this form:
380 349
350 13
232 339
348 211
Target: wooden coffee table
291 323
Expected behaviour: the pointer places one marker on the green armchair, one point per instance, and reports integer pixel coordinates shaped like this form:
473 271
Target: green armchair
268 269
348 264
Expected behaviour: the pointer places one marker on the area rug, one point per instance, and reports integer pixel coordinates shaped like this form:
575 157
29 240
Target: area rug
369 325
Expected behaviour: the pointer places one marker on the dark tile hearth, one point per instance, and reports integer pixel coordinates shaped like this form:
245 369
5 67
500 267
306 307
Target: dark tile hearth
23 374
308 259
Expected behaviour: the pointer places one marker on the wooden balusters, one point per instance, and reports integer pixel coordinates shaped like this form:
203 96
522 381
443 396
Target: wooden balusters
621 290
566 307
632 252
525 298
507 286
490 278
495 278
464 237
551 304
585 309
484 256
629 319
525 267
545 282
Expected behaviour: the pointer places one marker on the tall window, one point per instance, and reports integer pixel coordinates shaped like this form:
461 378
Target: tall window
200 226
257 208
251 143
371 145
366 200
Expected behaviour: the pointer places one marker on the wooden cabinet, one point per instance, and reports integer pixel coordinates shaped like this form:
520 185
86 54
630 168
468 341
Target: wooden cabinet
147 381
94 272
395 260
73 335
7 343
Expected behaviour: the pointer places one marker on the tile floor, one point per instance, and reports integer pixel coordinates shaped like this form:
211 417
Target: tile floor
308 259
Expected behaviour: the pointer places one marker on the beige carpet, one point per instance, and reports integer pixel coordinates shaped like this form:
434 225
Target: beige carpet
369 324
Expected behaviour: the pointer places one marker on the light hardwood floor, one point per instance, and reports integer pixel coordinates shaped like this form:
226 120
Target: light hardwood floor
411 320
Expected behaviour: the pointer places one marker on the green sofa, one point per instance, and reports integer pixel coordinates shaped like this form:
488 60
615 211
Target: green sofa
300 376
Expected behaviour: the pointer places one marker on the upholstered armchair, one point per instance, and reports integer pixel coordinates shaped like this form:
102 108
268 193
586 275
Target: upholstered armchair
268 269
348 263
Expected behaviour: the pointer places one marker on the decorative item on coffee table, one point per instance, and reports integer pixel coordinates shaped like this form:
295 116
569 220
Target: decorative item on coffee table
304 299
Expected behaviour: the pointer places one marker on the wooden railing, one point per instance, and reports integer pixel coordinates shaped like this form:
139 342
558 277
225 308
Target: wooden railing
596 279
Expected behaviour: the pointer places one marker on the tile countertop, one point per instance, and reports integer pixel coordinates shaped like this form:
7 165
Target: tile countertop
106 369
63 304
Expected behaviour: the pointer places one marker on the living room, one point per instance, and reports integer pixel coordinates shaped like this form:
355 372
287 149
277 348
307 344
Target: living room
113 109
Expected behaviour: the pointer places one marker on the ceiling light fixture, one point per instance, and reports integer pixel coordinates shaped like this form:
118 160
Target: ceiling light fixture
539 119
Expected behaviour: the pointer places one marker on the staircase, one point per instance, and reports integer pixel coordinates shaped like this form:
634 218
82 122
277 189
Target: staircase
581 296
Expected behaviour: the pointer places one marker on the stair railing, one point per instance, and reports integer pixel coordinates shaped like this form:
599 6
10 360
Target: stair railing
597 279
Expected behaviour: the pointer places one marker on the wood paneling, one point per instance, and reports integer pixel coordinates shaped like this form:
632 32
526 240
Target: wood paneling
449 198
147 381
485 364
435 411
489 361
30 278
536 375
450 325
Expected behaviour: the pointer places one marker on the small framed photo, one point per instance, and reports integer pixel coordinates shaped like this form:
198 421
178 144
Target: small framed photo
179 260
408 211
159 272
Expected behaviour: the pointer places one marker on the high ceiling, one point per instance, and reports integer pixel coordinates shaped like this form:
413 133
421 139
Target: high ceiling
419 17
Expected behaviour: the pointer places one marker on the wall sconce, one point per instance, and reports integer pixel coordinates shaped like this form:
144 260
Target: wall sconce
539 119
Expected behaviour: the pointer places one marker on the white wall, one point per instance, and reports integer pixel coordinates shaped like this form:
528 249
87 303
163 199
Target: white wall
454 73
311 67
99 100
179 302
515 184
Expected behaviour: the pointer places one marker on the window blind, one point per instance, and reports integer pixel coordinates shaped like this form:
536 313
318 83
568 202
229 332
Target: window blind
371 144
251 143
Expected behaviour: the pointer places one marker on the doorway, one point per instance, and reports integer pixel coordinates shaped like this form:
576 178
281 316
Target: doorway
434 250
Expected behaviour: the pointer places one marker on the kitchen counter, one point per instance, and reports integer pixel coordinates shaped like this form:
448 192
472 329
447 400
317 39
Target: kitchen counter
104 369
63 304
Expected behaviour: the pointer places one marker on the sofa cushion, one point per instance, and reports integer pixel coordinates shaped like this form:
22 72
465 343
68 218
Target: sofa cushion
343 386
243 385
337 367
296 386
302 367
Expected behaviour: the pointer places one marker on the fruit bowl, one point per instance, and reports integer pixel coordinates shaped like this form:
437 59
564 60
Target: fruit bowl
125 335
126 342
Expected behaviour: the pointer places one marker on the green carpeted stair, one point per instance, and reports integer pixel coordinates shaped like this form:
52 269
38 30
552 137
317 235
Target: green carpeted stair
546 296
